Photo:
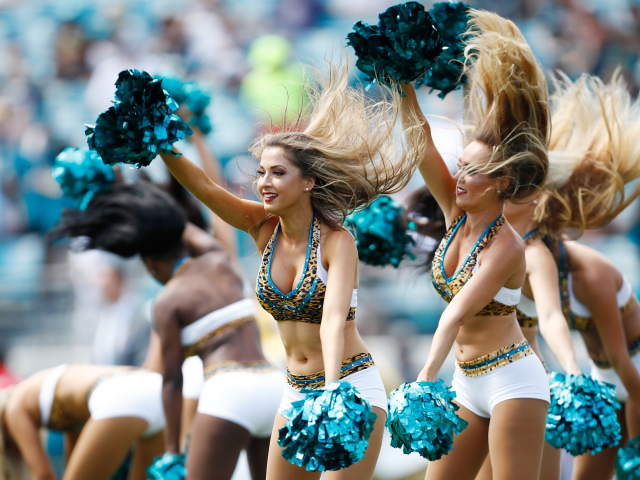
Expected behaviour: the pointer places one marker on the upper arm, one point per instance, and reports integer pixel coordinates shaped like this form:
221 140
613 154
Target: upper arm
339 249
433 168
543 278
500 264
167 325
197 241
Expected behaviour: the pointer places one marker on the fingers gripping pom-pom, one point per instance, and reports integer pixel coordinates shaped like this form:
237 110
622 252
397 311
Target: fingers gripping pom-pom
167 467
381 233
192 96
451 20
81 174
328 430
628 461
422 419
140 124
582 414
401 48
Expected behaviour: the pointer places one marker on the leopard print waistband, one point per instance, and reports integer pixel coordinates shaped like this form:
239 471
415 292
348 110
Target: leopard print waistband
357 363
495 360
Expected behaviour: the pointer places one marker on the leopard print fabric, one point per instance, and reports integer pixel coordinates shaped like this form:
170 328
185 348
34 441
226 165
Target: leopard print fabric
449 288
494 360
357 363
304 303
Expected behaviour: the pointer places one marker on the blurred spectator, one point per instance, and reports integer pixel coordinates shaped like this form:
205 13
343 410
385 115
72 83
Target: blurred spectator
7 378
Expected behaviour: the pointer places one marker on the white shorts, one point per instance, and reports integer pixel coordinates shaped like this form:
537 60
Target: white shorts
609 375
192 377
135 394
247 398
524 378
367 382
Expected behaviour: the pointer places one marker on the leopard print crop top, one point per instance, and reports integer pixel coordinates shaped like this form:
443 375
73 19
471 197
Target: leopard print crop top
502 304
304 302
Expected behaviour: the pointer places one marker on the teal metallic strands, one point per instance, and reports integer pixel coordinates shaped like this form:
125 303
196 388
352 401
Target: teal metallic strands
451 21
402 48
140 125
422 419
328 430
582 414
81 173
381 233
628 461
167 467
196 98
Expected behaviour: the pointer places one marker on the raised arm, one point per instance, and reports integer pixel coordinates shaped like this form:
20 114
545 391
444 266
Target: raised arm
497 269
339 249
245 215
600 299
165 321
433 168
543 278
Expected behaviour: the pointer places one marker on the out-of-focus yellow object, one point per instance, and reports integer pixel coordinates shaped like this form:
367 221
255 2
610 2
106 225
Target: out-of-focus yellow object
275 82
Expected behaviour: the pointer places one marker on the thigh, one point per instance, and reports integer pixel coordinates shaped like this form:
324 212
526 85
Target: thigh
470 448
214 449
632 420
486 472
146 450
550 468
363 470
102 446
516 438
277 467
257 455
601 465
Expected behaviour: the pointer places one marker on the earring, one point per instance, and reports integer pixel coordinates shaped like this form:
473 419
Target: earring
307 189
499 191
535 202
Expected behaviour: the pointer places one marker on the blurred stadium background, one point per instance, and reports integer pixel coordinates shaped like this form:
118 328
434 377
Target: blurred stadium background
59 60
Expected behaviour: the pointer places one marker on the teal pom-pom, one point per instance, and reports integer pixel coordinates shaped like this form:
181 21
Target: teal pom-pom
451 20
582 414
381 233
140 124
328 430
401 48
628 461
167 467
422 418
81 173
190 94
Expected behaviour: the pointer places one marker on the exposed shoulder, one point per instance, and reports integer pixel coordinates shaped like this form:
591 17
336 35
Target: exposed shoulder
338 241
507 243
166 302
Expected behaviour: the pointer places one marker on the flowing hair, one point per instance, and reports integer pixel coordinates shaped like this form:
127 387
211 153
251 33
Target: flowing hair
507 105
347 140
594 153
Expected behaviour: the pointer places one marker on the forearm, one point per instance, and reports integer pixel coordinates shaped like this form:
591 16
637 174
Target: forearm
556 333
630 377
188 174
332 340
443 340
172 401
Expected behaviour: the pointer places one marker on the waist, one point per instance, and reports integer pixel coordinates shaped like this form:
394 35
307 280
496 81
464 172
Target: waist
496 359
259 366
351 365
603 362
207 341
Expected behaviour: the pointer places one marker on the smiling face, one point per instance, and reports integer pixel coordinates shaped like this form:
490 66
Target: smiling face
475 189
280 183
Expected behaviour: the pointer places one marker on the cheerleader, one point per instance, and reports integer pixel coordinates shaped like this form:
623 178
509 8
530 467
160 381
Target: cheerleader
479 267
594 152
102 410
201 311
339 157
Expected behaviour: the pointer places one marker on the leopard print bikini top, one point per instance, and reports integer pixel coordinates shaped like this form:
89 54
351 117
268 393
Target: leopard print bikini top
504 303
304 302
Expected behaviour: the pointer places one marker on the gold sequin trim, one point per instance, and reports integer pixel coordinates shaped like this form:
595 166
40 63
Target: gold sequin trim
495 360
357 363
202 343
261 366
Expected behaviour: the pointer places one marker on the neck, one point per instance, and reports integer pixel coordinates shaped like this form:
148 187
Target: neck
520 217
295 227
478 221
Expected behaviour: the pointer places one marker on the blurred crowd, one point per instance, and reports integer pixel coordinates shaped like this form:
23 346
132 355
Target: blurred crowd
59 60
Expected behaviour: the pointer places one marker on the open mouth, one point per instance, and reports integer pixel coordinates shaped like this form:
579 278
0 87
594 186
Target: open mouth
460 191
269 197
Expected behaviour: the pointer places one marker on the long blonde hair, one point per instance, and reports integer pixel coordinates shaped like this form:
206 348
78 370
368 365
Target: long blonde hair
348 142
594 153
507 104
